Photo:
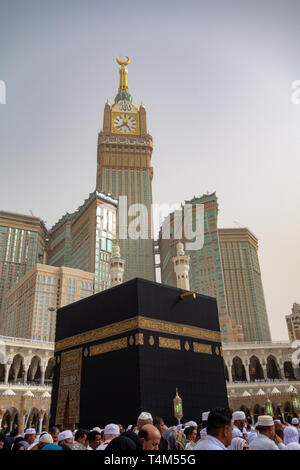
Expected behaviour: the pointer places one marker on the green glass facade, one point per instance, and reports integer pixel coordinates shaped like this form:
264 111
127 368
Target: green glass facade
206 274
20 250
105 233
62 245
83 240
243 283
136 185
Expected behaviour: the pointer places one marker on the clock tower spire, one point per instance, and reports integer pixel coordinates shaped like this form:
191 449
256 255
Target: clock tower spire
124 169
123 92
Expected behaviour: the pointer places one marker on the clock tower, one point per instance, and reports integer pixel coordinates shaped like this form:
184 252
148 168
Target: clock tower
124 169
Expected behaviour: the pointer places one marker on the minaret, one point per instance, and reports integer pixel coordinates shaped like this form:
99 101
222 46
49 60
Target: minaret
117 265
181 267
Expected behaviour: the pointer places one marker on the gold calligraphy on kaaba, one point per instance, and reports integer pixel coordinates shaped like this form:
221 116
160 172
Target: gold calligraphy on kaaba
99 333
139 338
202 348
69 386
114 345
140 323
169 343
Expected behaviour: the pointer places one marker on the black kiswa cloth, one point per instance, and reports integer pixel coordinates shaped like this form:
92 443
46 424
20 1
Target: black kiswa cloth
142 334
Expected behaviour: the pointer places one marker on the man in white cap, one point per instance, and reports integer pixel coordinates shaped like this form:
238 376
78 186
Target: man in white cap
144 418
203 432
110 432
191 423
44 440
267 439
29 437
295 422
239 420
97 429
65 439
191 436
290 434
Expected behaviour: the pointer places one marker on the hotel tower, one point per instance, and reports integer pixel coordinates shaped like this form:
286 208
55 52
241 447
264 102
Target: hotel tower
124 169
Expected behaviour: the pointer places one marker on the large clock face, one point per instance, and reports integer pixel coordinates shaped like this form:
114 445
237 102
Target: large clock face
125 123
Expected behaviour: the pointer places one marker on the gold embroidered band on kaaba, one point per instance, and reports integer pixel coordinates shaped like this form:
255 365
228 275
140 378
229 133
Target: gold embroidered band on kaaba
140 322
163 342
108 346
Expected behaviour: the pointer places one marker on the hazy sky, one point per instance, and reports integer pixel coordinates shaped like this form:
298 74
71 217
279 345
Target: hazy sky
215 77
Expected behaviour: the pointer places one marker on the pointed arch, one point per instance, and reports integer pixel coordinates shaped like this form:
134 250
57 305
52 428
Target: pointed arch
17 369
34 371
258 410
2 372
49 370
33 419
255 369
238 370
226 372
247 412
272 368
288 370
288 411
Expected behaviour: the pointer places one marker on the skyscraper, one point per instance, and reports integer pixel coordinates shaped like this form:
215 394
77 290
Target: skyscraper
33 301
22 243
243 283
206 273
84 239
124 169
293 323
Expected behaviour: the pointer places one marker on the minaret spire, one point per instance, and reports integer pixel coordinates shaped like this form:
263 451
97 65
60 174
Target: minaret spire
181 267
123 92
117 265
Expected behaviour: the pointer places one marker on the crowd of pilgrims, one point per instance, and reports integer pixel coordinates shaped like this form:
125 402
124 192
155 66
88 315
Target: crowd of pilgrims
220 429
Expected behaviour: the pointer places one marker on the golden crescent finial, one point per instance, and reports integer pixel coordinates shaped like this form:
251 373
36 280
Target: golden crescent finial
123 64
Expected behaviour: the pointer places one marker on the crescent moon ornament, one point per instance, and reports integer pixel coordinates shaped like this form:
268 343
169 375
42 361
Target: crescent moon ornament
123 63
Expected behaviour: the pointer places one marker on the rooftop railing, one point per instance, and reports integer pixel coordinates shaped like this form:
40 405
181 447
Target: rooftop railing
27 385
265 381
26 340
255 343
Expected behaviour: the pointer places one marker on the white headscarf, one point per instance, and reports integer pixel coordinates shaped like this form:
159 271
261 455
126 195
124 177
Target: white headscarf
292 446
237 443
290 434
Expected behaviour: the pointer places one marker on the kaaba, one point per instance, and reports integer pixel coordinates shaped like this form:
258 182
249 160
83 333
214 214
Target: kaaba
128 348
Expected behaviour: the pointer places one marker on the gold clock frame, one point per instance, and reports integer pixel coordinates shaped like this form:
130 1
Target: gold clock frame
136 116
